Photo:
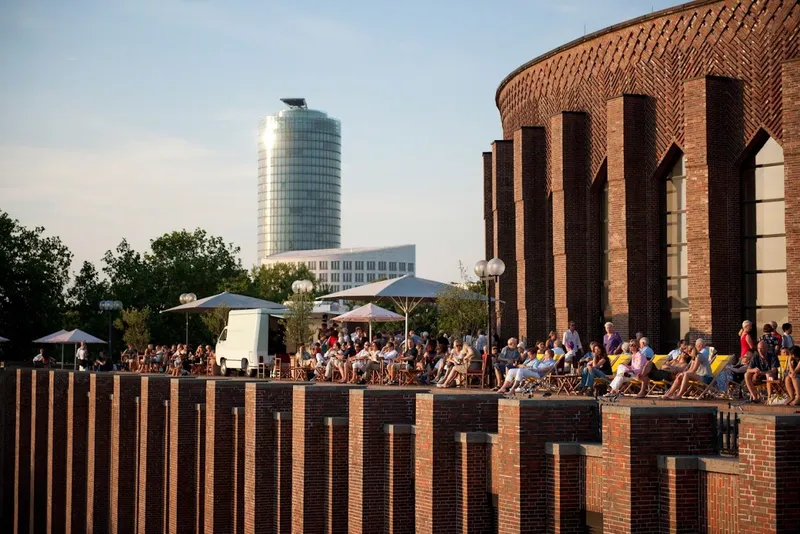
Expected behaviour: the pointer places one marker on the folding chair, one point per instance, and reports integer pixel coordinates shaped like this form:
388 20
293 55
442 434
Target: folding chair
701 390
479 373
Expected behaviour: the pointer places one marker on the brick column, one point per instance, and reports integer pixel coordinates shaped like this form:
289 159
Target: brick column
370 410
473 509
200 467
532 214
77 420
399 501
40 402
221 397
310 405
57 451
336 467
98 456
439 416
488 213
713 210
153 403
524 427
768 473
22 448
238 469
633 437
678 497
504 227
184 450
8 417
282 511
790 78
564 488
262 400
568 183
124 452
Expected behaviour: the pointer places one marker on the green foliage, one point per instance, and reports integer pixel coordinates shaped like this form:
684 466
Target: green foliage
460 312
216 320
297 320
274 282
134 322
33 279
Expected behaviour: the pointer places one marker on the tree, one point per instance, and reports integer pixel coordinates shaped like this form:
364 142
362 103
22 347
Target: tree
297 320
274 282
83 301
461 312
135 324
216 320
33 279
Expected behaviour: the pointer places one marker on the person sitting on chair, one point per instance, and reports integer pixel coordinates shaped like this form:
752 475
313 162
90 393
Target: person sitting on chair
532 367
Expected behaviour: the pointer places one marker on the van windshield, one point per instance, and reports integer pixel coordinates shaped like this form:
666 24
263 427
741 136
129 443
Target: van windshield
224 335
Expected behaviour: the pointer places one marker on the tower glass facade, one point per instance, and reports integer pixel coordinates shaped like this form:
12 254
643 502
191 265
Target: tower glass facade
299 182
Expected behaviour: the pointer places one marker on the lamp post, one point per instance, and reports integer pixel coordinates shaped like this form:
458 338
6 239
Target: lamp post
302 286
489 271
186 298
110 306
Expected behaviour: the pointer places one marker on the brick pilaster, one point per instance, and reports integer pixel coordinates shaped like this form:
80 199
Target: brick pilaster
370 410
98 458
282 508
488 215
633 437
77 420
183 453
22 448
713 207
439 416
790 78
310 405
524 427
634 217
399 502
568 183
678 502
336 468
532 214
238 469
262 401
40 402
153 406
8 398
200 467
57 451
504 240
563 488
221 397
768 473
124 452
473 509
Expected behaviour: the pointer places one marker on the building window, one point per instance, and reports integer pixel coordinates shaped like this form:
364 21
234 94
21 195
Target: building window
323 277
392 275
359 278
312 266
359 266
347 265
605 303
764 236
334 266
392 265
334 288
347 277
334 277
370 277
346 288
323 266
370 265
402 266
411 267
381 265
676 260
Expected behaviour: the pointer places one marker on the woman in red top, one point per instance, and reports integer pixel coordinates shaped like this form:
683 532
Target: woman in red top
746 338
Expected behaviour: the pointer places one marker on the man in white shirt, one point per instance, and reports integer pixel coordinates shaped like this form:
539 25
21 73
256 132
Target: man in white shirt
388 355
677 351
571 336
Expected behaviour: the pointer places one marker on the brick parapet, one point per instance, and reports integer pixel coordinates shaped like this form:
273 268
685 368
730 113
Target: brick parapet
399 498
98 462
22 449
336 445
282 511
77 408
473 506
40 401
57 438
8 398
154 409
238 468
124 455
200 465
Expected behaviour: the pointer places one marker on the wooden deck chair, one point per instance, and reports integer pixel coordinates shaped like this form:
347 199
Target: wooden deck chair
479 373
701 390
532 382
619 360
776 387
635 386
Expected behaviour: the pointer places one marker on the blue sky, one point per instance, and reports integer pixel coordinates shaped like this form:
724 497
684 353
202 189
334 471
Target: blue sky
131 118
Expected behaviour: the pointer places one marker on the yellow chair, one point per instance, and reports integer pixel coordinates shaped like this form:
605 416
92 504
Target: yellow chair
700 390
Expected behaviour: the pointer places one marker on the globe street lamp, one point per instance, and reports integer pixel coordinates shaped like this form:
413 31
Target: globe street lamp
186 298
110 306
302 286
489 271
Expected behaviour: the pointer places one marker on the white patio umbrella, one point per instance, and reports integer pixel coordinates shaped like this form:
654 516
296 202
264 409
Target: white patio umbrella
407 292
72 337
3 339
369 313
233 301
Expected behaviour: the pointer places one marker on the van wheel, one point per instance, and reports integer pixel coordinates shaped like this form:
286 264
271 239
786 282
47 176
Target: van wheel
243 370
223 367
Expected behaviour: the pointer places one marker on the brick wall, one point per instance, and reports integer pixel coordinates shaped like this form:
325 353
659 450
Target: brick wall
336 446
77 413
282 511
399 501
153 406
57 451
504 240
370 410
790 85
718 496
40 400
200 467
98 456
238 469
22 448
488 211
184 451
124 452
473 505
8 412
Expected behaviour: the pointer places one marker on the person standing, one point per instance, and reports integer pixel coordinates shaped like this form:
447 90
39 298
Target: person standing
82 357
612 341
571 336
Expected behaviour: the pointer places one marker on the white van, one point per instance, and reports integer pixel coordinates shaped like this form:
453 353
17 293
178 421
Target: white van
244 343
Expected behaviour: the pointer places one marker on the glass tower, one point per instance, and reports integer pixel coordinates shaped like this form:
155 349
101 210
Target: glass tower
299 180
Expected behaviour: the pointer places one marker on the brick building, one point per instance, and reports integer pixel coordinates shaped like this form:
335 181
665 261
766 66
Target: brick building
647 175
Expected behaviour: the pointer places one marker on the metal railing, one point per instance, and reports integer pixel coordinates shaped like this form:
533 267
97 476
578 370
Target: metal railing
728 433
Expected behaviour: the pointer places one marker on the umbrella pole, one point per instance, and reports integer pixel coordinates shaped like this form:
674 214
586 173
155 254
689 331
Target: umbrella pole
405 339
62 356
370 332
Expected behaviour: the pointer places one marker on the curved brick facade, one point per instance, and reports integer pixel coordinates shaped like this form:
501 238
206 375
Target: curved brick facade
710 80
